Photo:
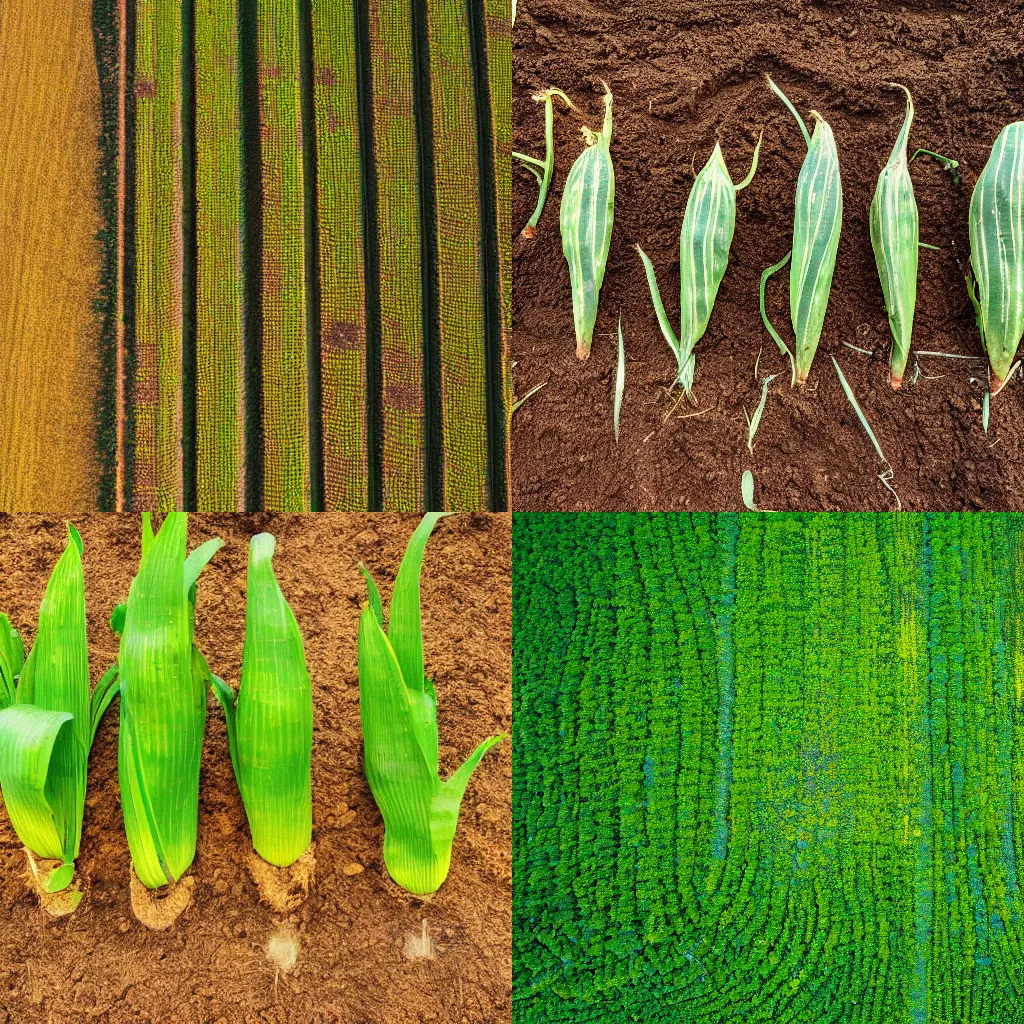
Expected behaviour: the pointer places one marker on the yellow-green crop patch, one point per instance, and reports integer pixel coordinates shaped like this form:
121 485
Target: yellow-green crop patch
220 356
157 398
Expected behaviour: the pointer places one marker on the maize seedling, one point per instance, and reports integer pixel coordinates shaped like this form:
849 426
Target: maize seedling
997 252
620 381
816 226
270 730
543 170
163 703
398 707
747 491
587 213
704 242
47 730
895 240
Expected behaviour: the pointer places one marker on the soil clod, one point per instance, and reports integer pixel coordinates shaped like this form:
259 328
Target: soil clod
283 889
56 904
158 909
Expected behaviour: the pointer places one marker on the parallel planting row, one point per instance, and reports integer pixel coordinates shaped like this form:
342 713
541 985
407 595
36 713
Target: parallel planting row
320 313
49 718
993 278
768 768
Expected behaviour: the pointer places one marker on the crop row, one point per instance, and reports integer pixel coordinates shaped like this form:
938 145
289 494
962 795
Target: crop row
319 314
49 717
993 278
767 768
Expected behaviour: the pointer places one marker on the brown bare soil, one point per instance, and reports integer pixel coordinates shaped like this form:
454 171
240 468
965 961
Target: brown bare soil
357 941
49 257
686 73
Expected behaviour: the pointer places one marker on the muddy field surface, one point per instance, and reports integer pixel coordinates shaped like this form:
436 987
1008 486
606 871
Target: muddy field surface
685 74
356 928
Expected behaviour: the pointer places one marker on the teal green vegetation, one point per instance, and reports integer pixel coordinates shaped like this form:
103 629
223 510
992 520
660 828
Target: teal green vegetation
768 768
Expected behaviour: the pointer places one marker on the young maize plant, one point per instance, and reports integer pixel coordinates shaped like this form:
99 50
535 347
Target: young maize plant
587 213
163 703
270 731
894 238
47 730
704 242
997 252
543 170
399 715
816 225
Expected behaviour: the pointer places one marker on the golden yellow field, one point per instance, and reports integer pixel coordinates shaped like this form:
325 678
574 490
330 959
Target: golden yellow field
49 261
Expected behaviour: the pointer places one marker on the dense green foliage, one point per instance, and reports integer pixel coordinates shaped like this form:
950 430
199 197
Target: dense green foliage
767 768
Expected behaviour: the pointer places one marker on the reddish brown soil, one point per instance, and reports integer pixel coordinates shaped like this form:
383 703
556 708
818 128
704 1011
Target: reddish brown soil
685 73
101 964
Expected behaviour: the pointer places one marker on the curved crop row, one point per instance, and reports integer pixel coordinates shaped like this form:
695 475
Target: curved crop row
768 768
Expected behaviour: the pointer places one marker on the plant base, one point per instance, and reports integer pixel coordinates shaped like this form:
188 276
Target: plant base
283 889
56 904
158 909
396 891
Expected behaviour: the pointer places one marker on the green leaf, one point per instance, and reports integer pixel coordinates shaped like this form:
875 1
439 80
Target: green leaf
405 632
117 619
747 491
997 250
659 310
782 346
375 602
106 690
37 777
226 696
585 218
147 532
893 222
274 719
56 674
60 878
199 559
12 660
444 810
755 421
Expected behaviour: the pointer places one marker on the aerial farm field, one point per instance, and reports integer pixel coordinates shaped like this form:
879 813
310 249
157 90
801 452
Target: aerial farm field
50 259
768 768
287 222
686 74
366 952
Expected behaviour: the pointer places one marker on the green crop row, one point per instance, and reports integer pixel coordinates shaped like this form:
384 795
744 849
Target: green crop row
342 277
767 768
399 241
379 363
283 343
49 716
459 259
157 398
220 355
